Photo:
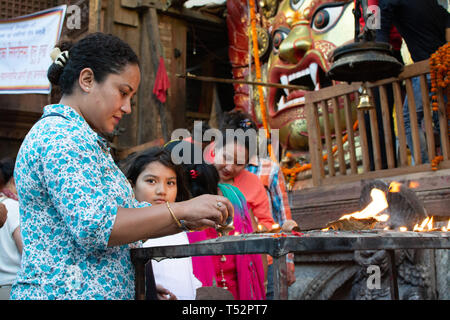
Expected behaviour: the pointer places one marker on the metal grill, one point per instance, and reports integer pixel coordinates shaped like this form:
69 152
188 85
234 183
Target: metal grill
15 8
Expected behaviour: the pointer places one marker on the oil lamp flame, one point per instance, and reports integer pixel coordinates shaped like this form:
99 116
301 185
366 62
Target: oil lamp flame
413 185
446 228
394 186
378 204
430 224
426 225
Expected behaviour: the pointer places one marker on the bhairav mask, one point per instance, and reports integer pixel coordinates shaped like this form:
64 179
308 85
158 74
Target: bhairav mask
303 35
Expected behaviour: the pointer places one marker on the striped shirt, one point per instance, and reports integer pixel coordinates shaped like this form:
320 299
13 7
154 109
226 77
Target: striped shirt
271 176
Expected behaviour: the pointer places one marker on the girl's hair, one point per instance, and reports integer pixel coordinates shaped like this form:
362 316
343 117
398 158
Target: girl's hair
240 120
203 178
136 163
103 53
237 120
6 170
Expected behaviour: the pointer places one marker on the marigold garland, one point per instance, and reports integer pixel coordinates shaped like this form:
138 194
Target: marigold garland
440 74
435 162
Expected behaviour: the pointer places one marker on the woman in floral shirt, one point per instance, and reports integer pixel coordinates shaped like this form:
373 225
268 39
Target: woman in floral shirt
79 216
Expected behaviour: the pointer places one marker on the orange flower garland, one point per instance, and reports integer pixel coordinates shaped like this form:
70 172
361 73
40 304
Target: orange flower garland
439 73
435 162
291 173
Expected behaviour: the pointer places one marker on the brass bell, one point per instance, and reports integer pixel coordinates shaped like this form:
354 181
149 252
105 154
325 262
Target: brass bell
365 100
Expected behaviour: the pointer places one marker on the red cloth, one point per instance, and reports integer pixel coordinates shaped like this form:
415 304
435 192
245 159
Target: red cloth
161 82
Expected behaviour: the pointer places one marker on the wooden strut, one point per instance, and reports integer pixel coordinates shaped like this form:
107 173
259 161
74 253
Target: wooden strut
291 173
233 81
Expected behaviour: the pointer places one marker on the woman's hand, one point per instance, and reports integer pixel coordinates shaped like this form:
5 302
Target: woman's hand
204 211
134 224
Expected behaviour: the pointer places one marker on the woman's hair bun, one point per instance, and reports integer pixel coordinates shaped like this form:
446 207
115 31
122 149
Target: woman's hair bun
55 70
103 53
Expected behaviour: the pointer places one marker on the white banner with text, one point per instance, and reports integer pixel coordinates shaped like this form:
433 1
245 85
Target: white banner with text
25 46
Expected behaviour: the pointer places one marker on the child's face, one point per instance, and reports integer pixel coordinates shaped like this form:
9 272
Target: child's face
156 184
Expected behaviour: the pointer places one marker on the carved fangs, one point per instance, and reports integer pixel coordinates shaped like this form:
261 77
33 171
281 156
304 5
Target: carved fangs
308 75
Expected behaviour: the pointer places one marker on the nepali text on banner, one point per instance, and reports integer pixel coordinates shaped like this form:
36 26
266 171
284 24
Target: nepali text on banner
25 46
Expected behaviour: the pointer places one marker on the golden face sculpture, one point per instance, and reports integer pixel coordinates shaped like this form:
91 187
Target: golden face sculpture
304 34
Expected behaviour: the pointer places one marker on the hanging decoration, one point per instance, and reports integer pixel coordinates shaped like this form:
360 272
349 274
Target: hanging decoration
440 75
262 103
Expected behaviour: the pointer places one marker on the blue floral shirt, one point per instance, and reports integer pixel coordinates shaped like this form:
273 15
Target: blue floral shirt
69 191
